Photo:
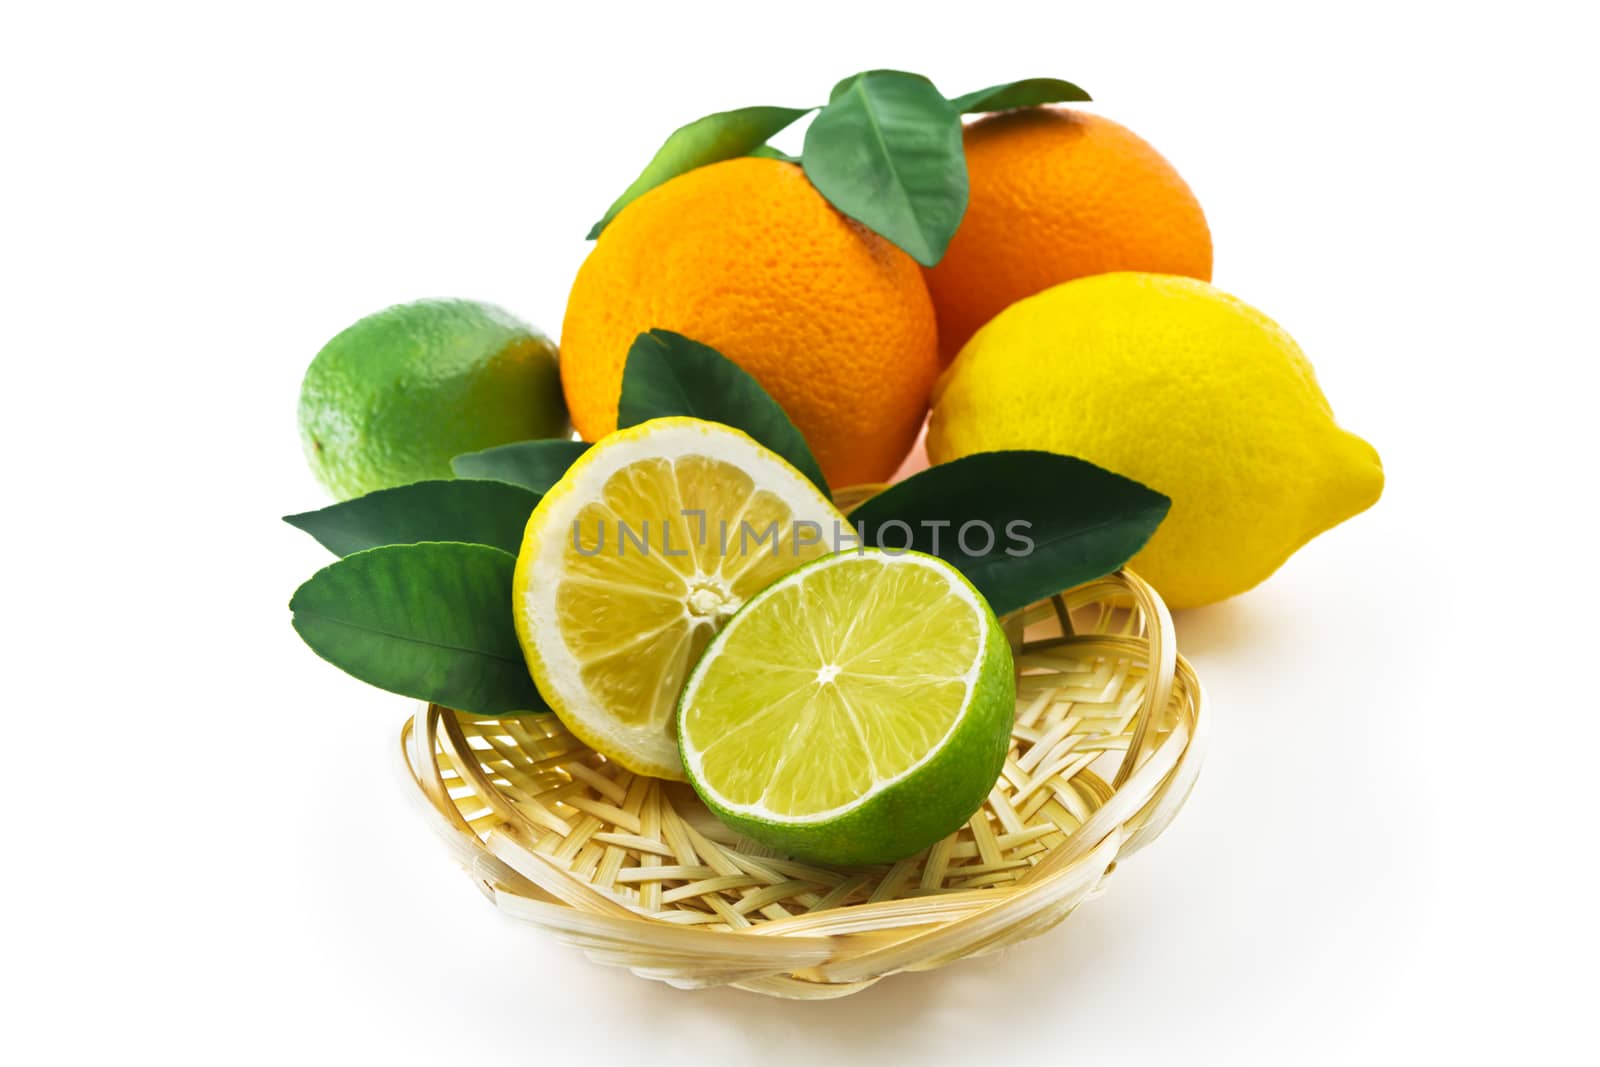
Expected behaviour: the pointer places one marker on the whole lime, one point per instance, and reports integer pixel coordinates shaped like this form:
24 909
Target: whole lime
395 397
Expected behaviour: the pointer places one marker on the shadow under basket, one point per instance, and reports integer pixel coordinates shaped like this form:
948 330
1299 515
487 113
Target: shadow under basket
638 873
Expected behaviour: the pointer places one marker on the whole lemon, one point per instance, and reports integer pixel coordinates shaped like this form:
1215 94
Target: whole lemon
747 257
1058 194
396 396
1180 386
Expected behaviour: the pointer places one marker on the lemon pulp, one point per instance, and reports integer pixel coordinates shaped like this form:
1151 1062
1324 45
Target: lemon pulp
656 537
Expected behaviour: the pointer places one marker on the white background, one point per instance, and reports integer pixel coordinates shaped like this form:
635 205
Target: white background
1390 853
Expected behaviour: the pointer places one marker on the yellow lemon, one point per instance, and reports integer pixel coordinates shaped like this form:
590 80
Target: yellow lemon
635 559
1180 386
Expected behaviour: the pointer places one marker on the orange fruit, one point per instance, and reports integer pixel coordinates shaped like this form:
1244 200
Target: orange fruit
745 256
1058 194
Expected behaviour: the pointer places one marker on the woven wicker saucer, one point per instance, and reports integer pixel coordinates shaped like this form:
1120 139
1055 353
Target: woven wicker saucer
637 872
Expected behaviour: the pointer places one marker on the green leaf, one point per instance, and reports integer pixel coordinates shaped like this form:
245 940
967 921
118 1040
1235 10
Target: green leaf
724 135
668 374
1082 522
1029 92
430 621
479 512
766 151
534 465
886 151
844 85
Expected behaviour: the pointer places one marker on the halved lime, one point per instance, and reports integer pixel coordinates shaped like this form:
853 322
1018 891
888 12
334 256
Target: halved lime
855 711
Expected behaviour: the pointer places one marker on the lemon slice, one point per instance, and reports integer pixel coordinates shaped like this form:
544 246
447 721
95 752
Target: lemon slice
854 712
629 565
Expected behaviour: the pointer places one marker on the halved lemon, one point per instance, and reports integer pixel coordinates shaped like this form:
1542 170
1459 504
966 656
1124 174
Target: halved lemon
649 543
856 711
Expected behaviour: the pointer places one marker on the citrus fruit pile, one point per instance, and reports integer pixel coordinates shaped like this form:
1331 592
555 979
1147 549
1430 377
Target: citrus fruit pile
749 351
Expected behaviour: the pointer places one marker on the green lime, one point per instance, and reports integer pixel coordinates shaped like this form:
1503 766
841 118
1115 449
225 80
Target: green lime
855 711
394 398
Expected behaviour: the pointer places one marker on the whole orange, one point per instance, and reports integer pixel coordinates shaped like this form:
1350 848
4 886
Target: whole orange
747 257
1058 194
